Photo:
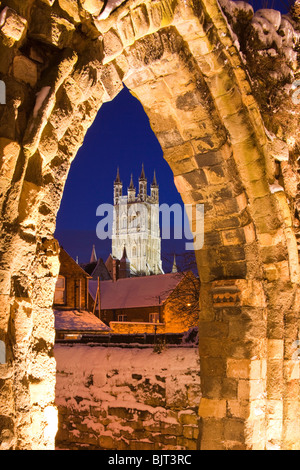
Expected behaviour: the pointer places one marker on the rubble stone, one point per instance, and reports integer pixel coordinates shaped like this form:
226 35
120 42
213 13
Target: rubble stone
12 26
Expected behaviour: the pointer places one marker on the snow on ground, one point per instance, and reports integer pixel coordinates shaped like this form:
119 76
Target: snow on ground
106 375
73 320
114 392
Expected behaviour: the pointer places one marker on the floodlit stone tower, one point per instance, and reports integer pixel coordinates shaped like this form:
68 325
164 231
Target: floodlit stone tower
136 226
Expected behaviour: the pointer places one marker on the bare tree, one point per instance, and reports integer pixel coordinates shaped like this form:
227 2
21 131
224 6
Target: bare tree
183 302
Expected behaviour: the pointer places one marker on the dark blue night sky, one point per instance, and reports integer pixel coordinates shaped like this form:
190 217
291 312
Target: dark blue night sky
120 136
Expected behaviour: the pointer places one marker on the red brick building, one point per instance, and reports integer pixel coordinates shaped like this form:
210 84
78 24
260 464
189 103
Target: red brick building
71 302
134 304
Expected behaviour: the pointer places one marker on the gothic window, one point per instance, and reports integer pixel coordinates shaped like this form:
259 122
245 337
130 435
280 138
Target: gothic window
134 251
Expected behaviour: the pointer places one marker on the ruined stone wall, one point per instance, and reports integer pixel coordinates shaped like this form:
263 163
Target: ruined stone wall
137 327
127 399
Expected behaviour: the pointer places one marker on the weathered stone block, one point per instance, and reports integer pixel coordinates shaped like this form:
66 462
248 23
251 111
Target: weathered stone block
229 389
162 120
9 152
112 45
23 323
193 394
12 26
140 20
62 114
172 429
138 78
48 27
48 146
170 138
46 101
125 29
230 102
106 442
93 7
227 206
240 409
208 159
275 383
292 369
143 444
212 444
188 417
48 2
183 166
213 367
4 314
251 389
121 412
234 430
25 70
188 444
7 432
111 80
238 368
275 348
71 8
233 237
43 319
213 329
212 408
155 12
190 432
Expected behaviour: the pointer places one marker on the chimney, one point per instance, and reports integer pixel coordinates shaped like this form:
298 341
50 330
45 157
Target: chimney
114 270
124 266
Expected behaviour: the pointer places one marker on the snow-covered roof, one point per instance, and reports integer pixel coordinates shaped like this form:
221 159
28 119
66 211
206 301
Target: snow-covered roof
134 292
73 320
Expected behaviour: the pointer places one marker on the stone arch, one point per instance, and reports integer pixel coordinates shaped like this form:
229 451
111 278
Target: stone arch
180 60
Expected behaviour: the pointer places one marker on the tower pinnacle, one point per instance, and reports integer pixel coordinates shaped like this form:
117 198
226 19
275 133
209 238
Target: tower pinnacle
143 177
131 186
118 180
154 183
118 188
174 268
93 255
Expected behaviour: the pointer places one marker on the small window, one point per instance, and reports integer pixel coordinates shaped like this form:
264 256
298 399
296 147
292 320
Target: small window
60 288
122 317
154 317
134 252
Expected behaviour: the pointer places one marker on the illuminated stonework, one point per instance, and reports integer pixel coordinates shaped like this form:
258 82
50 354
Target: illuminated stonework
136 226
209 106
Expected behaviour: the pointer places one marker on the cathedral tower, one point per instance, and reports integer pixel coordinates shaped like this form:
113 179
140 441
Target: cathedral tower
136 230
118 188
